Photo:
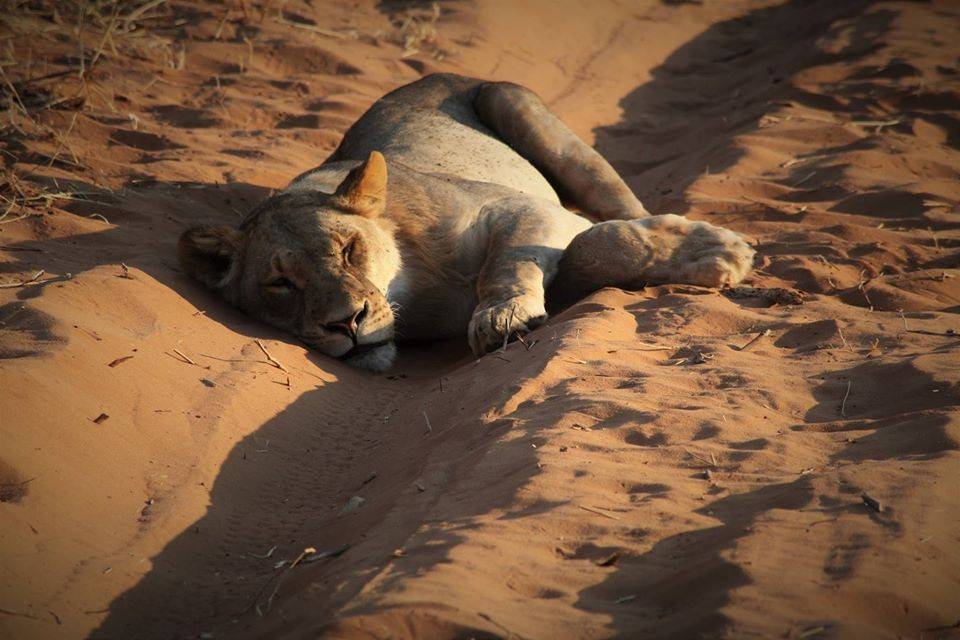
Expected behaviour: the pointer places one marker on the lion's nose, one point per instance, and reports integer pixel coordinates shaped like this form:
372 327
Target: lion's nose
350 325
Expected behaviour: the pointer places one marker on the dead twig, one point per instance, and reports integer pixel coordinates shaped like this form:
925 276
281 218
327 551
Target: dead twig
804 179
327 553
843 405
598 512
319 30
710 463
276 588
526 345
427 419
651 347
206 355
35 282
861 287
272 360
756 338
63 141
872 503
878 125
844 340
23 283
18 614
185 358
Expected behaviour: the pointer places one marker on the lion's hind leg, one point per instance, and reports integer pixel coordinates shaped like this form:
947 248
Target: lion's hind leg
572 166
657 250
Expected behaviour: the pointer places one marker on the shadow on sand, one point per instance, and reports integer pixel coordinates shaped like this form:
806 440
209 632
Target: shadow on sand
289 494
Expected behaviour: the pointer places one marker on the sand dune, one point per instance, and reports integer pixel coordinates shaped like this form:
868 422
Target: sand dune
673 462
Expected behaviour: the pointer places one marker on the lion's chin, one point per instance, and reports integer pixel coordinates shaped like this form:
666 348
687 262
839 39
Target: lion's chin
377 359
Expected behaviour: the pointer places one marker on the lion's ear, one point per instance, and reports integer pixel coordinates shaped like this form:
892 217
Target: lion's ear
364 190
208 254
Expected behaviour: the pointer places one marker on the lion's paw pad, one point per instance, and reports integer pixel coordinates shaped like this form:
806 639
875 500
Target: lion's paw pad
707 255
490 326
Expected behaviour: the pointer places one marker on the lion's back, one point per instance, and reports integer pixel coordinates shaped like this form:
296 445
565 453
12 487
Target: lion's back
431 126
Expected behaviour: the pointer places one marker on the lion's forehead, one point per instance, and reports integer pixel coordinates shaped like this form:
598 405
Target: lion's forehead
312 236
314 240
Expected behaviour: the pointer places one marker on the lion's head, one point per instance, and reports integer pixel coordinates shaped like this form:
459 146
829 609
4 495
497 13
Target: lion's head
314 264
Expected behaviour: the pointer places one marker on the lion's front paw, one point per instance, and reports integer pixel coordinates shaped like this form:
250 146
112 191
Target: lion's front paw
706 255
490 325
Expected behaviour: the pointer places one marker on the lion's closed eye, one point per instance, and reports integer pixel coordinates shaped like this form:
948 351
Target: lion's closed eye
280 285
348 250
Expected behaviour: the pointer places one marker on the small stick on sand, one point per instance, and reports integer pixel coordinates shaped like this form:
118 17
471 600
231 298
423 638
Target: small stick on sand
598 512
315 29
205 355
261 556
648 347
34 282
844 340
11 612
24 283
219 31
904 318
709 463
804 179
63 141
843 405
757 337
276 588
272 360
860 286
526 344
429 426
185 358
873 503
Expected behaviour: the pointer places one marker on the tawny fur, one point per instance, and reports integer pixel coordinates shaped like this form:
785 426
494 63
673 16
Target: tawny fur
439 215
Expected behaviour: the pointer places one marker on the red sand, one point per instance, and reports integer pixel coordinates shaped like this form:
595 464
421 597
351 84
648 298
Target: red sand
605 482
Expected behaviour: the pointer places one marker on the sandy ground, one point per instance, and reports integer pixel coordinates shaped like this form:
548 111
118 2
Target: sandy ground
640 471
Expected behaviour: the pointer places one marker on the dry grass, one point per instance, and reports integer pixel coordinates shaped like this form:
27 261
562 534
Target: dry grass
417 32
45 99
48 100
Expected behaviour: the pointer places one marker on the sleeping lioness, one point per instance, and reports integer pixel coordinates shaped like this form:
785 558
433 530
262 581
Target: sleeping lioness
438 216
